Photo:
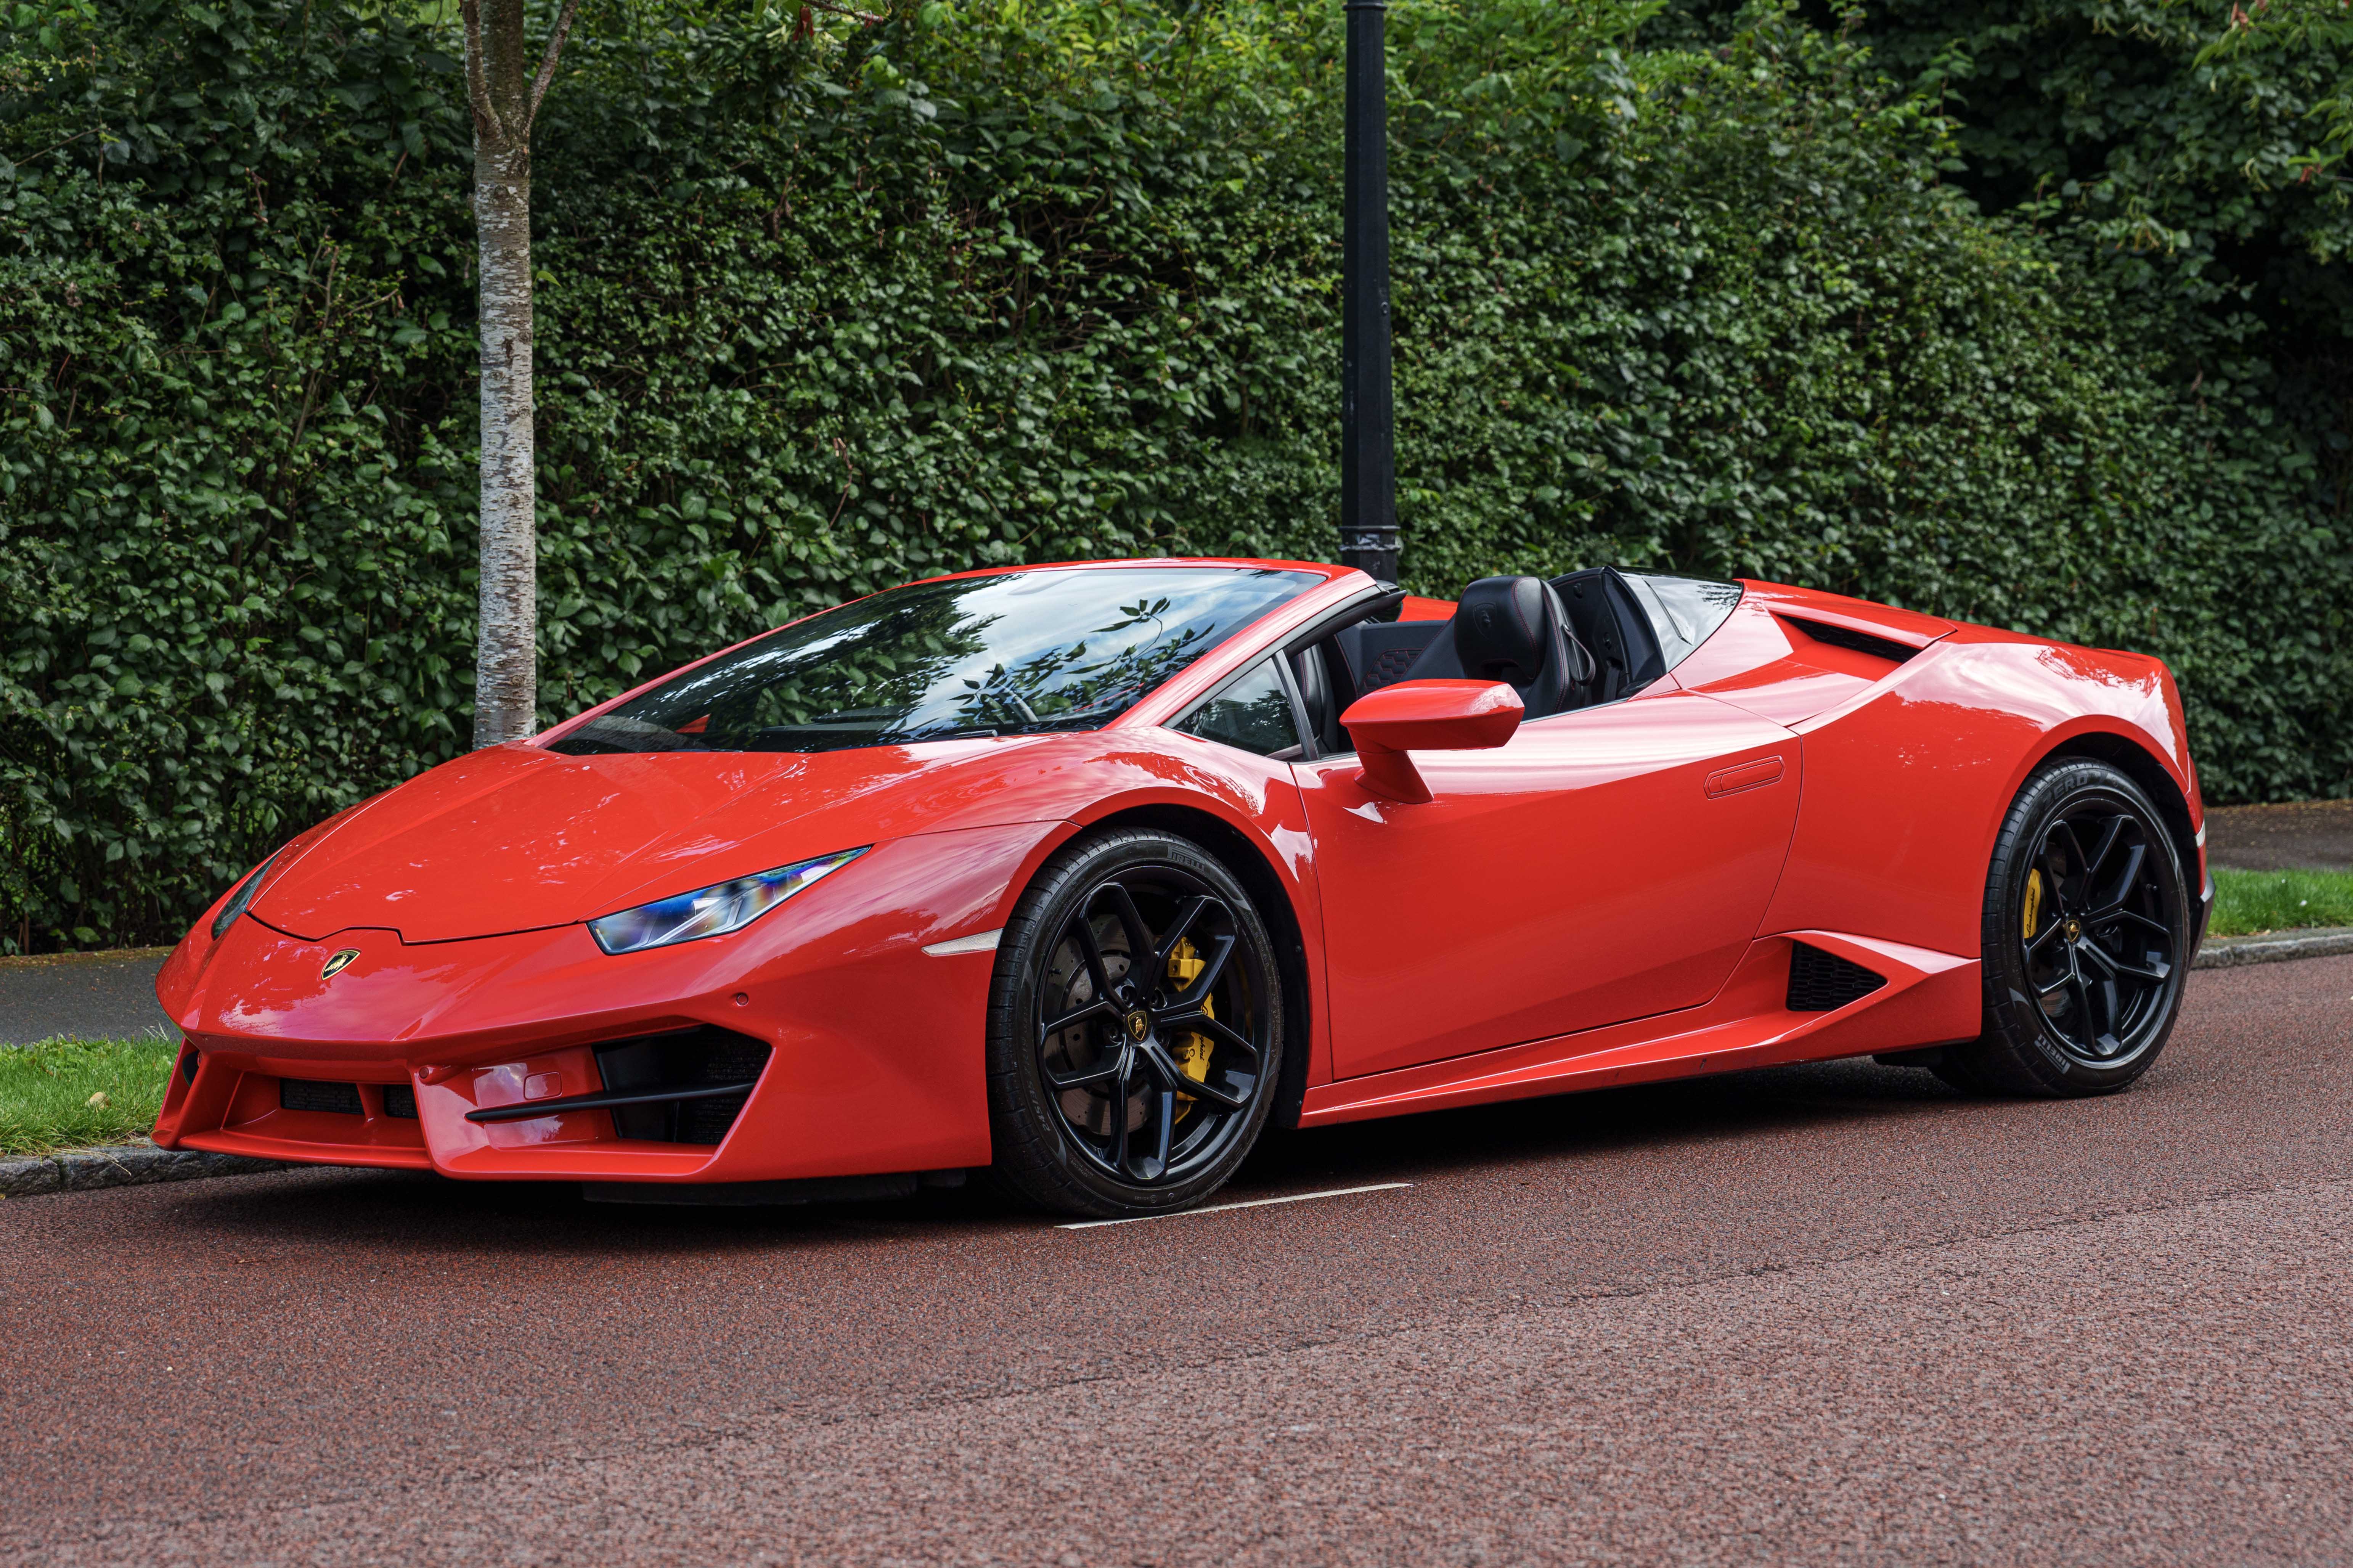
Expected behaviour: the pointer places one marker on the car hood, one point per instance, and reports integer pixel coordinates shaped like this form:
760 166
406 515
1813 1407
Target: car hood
515 838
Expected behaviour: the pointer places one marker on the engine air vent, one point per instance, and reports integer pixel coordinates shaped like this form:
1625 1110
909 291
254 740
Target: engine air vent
400 1100
1824 983
310 1095
1854 641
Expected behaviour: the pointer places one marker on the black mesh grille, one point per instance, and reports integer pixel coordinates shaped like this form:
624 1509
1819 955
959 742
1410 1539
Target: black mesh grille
684 1060
1885 648
310 1094
1390 666
400 1100
707 1122
1824 983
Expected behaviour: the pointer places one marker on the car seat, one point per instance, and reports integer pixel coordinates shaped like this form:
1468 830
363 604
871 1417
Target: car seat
1513 630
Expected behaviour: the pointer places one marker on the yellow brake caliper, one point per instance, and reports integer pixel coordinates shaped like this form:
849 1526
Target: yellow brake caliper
2033 903
1192 1051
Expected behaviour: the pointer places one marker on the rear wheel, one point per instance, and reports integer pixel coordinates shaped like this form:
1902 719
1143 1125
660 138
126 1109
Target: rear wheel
2085 939
1134 1029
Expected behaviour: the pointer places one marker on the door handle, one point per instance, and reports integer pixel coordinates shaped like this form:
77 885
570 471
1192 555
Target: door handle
1744 776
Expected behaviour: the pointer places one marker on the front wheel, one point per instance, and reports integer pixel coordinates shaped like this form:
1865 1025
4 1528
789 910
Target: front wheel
1135 1028
2086 939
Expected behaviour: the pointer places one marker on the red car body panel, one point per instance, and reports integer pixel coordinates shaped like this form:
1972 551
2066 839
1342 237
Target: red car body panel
1654 885
1610 895
1927 997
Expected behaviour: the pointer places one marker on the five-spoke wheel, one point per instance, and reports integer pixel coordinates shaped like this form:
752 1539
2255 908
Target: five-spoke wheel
2086 939
1137 1033
2099 953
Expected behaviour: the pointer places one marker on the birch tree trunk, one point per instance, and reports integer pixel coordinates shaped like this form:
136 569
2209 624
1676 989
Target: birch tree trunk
505 99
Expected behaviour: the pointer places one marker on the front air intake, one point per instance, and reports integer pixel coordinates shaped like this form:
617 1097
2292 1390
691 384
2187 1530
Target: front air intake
310 1095
1824 983
710 1073
687 1087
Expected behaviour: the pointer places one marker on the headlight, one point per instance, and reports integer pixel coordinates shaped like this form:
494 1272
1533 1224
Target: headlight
238 900
713 911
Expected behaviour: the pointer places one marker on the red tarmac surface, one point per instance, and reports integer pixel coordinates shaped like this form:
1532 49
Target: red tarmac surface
1817 1313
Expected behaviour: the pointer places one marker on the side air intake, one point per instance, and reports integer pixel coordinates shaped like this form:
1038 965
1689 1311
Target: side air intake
1824 983
1854 641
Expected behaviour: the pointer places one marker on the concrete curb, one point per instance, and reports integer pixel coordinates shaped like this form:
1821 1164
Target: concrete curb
2274 946
130 1165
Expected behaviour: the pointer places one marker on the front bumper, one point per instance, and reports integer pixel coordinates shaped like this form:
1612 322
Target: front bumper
642 1107
863 1054
2205 917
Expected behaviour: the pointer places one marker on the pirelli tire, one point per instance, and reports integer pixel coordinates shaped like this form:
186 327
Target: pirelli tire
2087 935
1136 1038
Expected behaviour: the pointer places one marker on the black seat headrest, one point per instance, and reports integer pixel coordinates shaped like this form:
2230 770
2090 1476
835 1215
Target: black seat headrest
1504 629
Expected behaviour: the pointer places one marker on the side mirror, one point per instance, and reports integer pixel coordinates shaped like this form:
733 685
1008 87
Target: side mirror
1426 715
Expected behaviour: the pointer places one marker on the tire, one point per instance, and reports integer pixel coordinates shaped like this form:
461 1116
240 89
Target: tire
1148 1103
2086 941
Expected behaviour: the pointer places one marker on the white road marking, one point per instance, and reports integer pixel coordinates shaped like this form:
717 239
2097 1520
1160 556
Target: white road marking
985 942
1222 1208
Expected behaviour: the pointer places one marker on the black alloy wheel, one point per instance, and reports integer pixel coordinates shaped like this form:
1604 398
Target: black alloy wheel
2086 939
1134 1031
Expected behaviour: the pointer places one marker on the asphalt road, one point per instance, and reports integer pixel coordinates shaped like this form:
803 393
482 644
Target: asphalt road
1830 1312
97 996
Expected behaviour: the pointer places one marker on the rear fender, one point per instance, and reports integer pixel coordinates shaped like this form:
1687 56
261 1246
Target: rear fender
1905 790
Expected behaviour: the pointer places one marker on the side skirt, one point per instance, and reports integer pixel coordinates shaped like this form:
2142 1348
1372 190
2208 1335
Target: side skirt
1930 998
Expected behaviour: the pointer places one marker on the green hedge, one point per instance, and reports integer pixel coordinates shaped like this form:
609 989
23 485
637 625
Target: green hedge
1019 280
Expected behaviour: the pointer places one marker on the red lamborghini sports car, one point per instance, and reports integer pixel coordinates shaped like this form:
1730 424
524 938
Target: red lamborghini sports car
1083 875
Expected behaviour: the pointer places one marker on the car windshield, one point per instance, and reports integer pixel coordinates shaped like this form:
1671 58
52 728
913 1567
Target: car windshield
1019 653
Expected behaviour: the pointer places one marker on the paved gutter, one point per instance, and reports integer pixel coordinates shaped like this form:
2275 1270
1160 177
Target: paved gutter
126 1165
2273 946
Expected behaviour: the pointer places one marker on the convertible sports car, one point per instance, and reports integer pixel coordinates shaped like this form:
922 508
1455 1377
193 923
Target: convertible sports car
1083 875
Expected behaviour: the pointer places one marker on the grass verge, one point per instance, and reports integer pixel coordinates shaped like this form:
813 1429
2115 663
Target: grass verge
2247 902
46 1092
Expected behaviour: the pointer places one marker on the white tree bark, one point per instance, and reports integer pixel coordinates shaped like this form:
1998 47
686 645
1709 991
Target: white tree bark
506 658
505 101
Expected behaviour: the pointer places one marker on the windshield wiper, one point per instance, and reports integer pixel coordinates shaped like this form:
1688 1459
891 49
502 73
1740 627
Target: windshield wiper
952 732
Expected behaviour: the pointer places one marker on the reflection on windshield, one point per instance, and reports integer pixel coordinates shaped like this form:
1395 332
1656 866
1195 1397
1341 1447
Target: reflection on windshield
1021 653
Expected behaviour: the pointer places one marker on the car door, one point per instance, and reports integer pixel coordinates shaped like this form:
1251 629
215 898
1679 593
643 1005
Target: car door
1602 866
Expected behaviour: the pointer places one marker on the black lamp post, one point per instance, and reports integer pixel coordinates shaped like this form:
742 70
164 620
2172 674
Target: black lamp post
1368 532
